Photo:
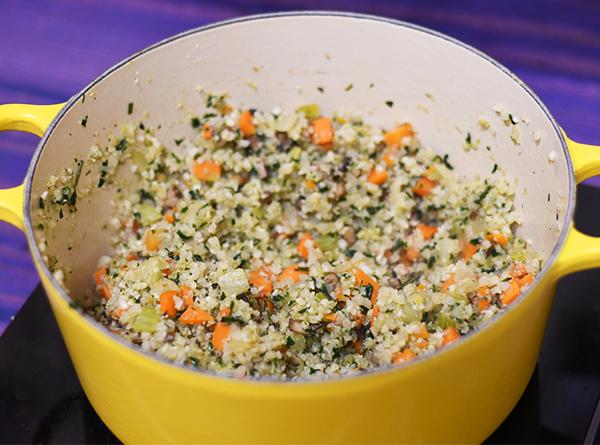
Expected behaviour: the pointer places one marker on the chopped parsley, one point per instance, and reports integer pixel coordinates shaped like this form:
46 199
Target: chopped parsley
389 103
130 108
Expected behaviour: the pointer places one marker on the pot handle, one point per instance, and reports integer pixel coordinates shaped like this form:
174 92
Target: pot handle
580 251
32 119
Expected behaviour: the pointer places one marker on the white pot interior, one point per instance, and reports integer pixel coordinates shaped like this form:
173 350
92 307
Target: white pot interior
439 86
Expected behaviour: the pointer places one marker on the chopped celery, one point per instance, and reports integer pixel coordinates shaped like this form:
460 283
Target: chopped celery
258 212
146 320
410 313
148 214
327 243
311 111
234 283
296 153
444 321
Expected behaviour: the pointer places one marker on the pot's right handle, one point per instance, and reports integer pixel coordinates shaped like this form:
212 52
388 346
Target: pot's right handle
32 119
580 251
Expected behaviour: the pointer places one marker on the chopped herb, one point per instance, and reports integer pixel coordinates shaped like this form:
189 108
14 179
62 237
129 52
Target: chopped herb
511 119
145 196
368 291
84 121
431 261
179 141
197 257
122 145
389 103
495 168
548 197
290 342
230 319
399 244
195 122
183 236
130 108
413 277
468 138
487 147
475 241
348 87
483 195
321 89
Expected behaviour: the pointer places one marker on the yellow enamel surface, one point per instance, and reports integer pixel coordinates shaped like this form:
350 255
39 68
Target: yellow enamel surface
11 206
32 119
433 400
580 251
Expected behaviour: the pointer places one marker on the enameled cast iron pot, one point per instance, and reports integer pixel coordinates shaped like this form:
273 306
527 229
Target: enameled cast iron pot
461 393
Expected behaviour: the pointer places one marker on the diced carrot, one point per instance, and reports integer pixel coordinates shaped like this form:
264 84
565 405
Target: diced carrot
424 186
270 306
339 293
525 280
117 313
359 319
449 282
207 131
374 314
388 157
378 175
302 246
152 241
291 272
322 131
104 292
220 336
497 238
450 336
393 138
410 255
403 356
195 315
469 250
187 295
132 257
311 185
330 318
421 343
483 291
207 171
482 304
511 294
357 345
167 303
427 231
99 276
422 333
518 270
262 279
225 312
169 218
362 279
246 124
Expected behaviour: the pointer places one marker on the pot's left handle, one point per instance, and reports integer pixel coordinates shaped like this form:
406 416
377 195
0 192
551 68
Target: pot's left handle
32 119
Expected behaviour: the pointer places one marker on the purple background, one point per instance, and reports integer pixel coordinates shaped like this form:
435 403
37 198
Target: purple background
49 50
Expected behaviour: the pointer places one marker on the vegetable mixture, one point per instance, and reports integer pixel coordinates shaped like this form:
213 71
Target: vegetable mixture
294 244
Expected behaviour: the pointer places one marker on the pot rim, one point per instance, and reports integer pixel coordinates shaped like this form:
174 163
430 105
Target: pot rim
568 217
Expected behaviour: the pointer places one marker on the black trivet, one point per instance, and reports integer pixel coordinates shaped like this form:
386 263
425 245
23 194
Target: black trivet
41 400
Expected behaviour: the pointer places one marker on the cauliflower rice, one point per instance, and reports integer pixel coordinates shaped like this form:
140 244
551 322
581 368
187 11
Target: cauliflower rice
288 244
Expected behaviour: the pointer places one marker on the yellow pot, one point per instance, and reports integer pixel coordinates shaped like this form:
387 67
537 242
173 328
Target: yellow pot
460 394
